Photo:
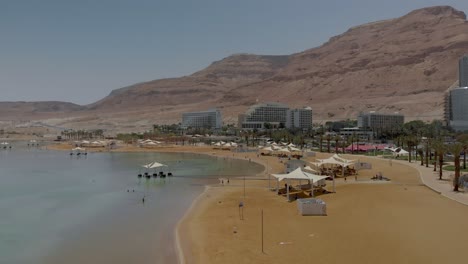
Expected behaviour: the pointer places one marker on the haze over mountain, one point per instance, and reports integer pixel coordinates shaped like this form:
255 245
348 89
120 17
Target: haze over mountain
403 64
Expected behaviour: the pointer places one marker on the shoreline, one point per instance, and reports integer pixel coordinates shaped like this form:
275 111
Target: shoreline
177 243
204 233
180 247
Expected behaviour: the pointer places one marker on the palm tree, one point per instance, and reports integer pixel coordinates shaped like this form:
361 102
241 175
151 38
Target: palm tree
421 154
328 138
337 140
456 149
463 138
439 149
321 140
427 152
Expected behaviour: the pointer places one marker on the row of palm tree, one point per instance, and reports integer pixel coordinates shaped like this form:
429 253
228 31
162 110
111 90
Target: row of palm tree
83 134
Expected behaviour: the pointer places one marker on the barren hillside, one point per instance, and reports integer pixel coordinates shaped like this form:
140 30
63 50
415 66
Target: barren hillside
403 64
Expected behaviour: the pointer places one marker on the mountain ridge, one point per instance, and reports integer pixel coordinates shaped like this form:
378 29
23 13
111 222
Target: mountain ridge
402 65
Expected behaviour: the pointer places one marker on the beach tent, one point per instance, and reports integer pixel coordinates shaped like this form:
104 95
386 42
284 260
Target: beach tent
400 151
285 150
339 158
308 168
294 149
297 174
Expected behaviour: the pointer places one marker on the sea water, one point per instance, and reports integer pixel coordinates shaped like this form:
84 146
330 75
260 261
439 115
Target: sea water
61 208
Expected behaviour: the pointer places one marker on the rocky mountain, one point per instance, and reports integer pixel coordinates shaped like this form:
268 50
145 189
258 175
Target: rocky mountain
403 64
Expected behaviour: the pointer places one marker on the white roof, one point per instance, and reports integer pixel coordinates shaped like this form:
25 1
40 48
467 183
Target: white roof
284 150
156 165
294 149
153 164
150 143
334 161
400 151
78 148
308 168
85 142
339 158
298 174
268 149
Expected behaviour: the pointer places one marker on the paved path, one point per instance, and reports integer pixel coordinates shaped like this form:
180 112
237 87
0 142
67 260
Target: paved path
430 178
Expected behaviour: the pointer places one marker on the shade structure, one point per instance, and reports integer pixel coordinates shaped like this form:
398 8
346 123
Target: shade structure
308 168
156 165
333 161
284 150
294 149
339 158
298 174
78 149
268 149
153 165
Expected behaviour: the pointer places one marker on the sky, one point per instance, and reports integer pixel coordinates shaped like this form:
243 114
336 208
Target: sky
79 51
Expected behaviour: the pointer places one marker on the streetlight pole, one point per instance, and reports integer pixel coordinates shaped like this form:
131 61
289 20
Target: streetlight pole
244 186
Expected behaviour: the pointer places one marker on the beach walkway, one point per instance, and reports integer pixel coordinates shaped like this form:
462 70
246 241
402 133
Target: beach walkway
430 178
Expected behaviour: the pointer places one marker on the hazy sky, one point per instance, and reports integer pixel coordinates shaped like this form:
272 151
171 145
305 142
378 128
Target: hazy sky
79 51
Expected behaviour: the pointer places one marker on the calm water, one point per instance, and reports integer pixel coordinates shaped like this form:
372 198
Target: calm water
56 208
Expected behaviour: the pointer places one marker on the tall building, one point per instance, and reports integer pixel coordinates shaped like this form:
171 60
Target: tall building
463 71
257 116
458 108
299 118
275 115
210 119
380 122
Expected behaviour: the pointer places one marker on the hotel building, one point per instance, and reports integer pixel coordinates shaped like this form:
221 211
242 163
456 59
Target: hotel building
456 99
276 115
210 119
463 71
380 122
299 118
458 108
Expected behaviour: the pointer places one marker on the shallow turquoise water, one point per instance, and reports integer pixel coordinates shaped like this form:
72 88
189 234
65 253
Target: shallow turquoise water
57 208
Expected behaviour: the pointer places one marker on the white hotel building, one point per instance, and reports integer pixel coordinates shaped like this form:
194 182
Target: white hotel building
210 119
277 115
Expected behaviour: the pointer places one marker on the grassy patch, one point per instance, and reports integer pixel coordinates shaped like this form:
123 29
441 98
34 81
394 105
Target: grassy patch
452 168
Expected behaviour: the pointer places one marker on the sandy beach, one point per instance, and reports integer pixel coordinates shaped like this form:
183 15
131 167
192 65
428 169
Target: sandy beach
400 221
